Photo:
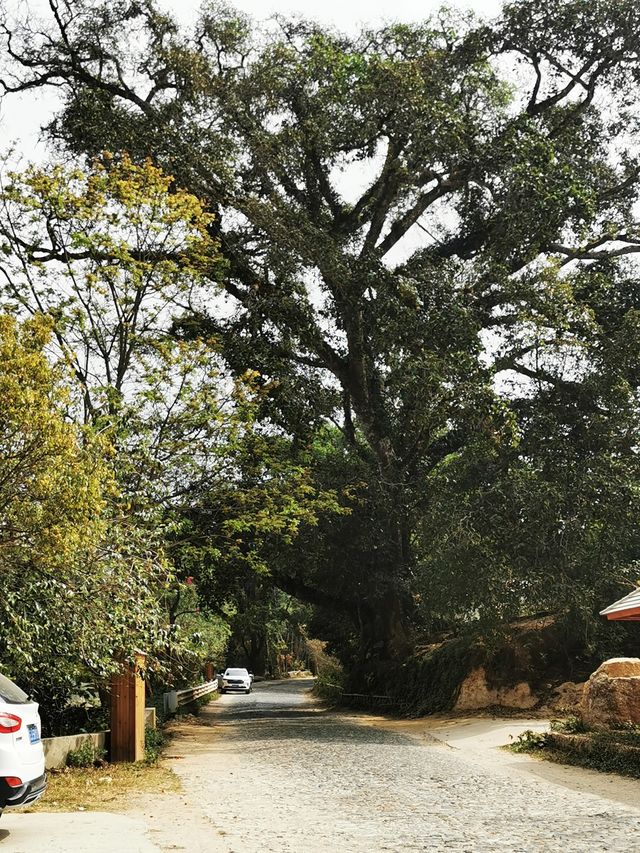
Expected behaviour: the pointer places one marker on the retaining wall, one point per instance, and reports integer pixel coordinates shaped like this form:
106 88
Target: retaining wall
56 749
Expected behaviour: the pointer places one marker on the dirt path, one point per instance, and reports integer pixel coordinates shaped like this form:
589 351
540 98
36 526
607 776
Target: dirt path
274 772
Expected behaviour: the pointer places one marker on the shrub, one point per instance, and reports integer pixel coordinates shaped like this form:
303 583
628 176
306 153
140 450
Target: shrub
154 740
529 741
88 754
572 725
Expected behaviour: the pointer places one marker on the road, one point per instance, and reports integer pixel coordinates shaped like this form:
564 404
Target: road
274 772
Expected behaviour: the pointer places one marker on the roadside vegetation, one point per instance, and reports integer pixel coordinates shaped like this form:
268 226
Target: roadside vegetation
108 788
307 335
89 782
614 749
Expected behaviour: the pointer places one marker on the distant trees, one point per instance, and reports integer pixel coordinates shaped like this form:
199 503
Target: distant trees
425 233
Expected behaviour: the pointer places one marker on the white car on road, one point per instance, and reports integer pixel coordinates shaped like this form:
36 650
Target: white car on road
236 679
22 776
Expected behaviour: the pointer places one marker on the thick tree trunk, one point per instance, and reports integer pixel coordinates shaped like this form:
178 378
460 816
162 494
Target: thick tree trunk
383 626
254 649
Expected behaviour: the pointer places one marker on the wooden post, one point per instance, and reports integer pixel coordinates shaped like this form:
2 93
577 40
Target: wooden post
127 713
208 672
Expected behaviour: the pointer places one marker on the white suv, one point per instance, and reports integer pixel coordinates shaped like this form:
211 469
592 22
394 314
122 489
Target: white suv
236 679
22 776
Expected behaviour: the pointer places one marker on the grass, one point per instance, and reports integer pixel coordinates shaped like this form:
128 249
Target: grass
570 741
104 789
86 755
90 784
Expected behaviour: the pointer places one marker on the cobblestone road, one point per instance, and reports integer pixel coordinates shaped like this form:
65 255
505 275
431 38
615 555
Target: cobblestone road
272 772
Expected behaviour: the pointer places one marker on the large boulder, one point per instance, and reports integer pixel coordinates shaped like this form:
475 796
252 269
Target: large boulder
475 694
612 694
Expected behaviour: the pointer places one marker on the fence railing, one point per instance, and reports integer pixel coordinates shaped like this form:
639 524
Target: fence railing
176 698
334 693
368 700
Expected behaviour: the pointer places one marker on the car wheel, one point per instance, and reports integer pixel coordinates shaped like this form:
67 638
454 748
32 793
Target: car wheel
248 690
222 692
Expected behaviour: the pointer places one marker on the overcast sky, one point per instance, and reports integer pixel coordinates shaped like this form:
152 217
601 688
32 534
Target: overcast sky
22 118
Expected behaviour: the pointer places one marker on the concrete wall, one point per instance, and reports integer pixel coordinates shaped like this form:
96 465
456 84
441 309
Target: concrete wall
56 749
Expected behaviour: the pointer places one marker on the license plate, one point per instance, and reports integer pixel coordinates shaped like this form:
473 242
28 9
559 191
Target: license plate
34 736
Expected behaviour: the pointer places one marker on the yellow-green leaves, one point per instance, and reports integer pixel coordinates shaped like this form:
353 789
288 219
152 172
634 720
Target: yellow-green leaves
52 478
110 254
115 211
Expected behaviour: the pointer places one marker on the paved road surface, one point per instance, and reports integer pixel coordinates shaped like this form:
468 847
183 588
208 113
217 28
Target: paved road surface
275 773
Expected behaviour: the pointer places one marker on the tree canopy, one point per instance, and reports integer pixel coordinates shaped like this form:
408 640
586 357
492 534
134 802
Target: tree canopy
426 233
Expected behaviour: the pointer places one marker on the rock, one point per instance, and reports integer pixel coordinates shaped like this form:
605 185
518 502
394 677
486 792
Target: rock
568 695
612 693
619 667
475 694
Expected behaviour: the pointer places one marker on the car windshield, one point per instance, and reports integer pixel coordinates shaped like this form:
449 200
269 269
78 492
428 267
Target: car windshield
11 693
236 672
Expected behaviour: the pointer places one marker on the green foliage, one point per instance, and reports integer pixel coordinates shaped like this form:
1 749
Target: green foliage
465 321
86 755
529 741
328 690
609 750
570 725
606 750
106 254
430 681
154 742
67 555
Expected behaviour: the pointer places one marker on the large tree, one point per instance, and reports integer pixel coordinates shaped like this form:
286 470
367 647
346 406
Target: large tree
410 218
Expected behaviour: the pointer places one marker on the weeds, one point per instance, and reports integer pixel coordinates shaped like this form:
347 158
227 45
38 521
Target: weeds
529 741
154 740
572 725
572 741
88 754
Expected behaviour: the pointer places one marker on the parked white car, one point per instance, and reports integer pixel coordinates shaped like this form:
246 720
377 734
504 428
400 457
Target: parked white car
22 776
236 679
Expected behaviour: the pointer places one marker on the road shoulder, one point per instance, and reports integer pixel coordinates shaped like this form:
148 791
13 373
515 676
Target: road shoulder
479 739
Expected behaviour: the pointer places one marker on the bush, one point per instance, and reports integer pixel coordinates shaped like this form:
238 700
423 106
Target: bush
430 681
88 754
611 750
572 725
529 741
328 690
154 740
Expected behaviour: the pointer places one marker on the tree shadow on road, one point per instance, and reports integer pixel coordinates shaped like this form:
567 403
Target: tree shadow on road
256 725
